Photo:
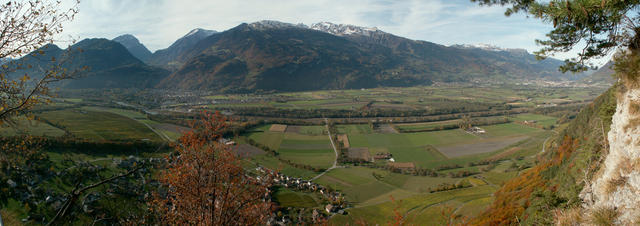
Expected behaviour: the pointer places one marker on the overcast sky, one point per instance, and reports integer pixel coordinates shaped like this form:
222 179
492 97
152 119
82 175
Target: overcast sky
158 23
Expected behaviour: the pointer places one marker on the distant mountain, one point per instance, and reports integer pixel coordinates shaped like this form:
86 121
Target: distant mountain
260 56
134 46
166 58
108 63
271 55
603 75
520 62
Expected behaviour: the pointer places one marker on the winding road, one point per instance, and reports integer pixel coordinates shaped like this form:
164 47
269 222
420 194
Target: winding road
545 141
335 160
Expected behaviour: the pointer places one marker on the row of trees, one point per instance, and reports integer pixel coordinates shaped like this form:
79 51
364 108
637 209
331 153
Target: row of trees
454 108
447 187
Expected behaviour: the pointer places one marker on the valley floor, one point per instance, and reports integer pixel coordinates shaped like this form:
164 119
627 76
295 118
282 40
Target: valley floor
425 167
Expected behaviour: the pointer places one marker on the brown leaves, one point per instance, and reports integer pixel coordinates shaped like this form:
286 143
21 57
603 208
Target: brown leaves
205 183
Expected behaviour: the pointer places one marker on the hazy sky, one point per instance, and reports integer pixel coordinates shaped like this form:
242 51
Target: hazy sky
157 23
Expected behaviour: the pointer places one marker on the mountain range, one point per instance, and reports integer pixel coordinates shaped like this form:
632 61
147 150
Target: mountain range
101 63
277 56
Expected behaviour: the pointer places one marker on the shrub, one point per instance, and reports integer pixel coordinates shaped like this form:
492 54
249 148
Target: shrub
603 216
568 217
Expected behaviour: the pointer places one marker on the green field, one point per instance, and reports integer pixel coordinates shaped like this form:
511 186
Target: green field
98 126
541 120
289 198
300 147
275 164
509 129
416 147
409 98
270 139
365 186
312 130
166 131
423 209
354 129
22 126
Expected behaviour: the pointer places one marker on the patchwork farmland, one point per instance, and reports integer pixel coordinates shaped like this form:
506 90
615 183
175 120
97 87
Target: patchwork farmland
378 164
416 164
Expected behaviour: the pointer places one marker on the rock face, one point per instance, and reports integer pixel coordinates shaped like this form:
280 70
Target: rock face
617 184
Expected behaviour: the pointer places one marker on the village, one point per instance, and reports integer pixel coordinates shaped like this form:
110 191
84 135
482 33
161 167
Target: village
336 203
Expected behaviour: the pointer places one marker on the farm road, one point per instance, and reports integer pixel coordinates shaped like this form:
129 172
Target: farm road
335 160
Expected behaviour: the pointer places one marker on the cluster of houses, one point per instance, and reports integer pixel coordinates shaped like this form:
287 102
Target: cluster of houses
383 156
226 141
336 200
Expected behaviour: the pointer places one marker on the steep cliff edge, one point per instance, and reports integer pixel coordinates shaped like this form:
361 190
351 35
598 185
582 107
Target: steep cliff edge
616 186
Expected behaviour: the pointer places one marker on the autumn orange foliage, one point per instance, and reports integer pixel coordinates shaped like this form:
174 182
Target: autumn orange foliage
514 196
205 183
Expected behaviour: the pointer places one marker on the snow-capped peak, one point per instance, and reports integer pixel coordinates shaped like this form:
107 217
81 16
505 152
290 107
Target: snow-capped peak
344 29
202 31
272 24
488 47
